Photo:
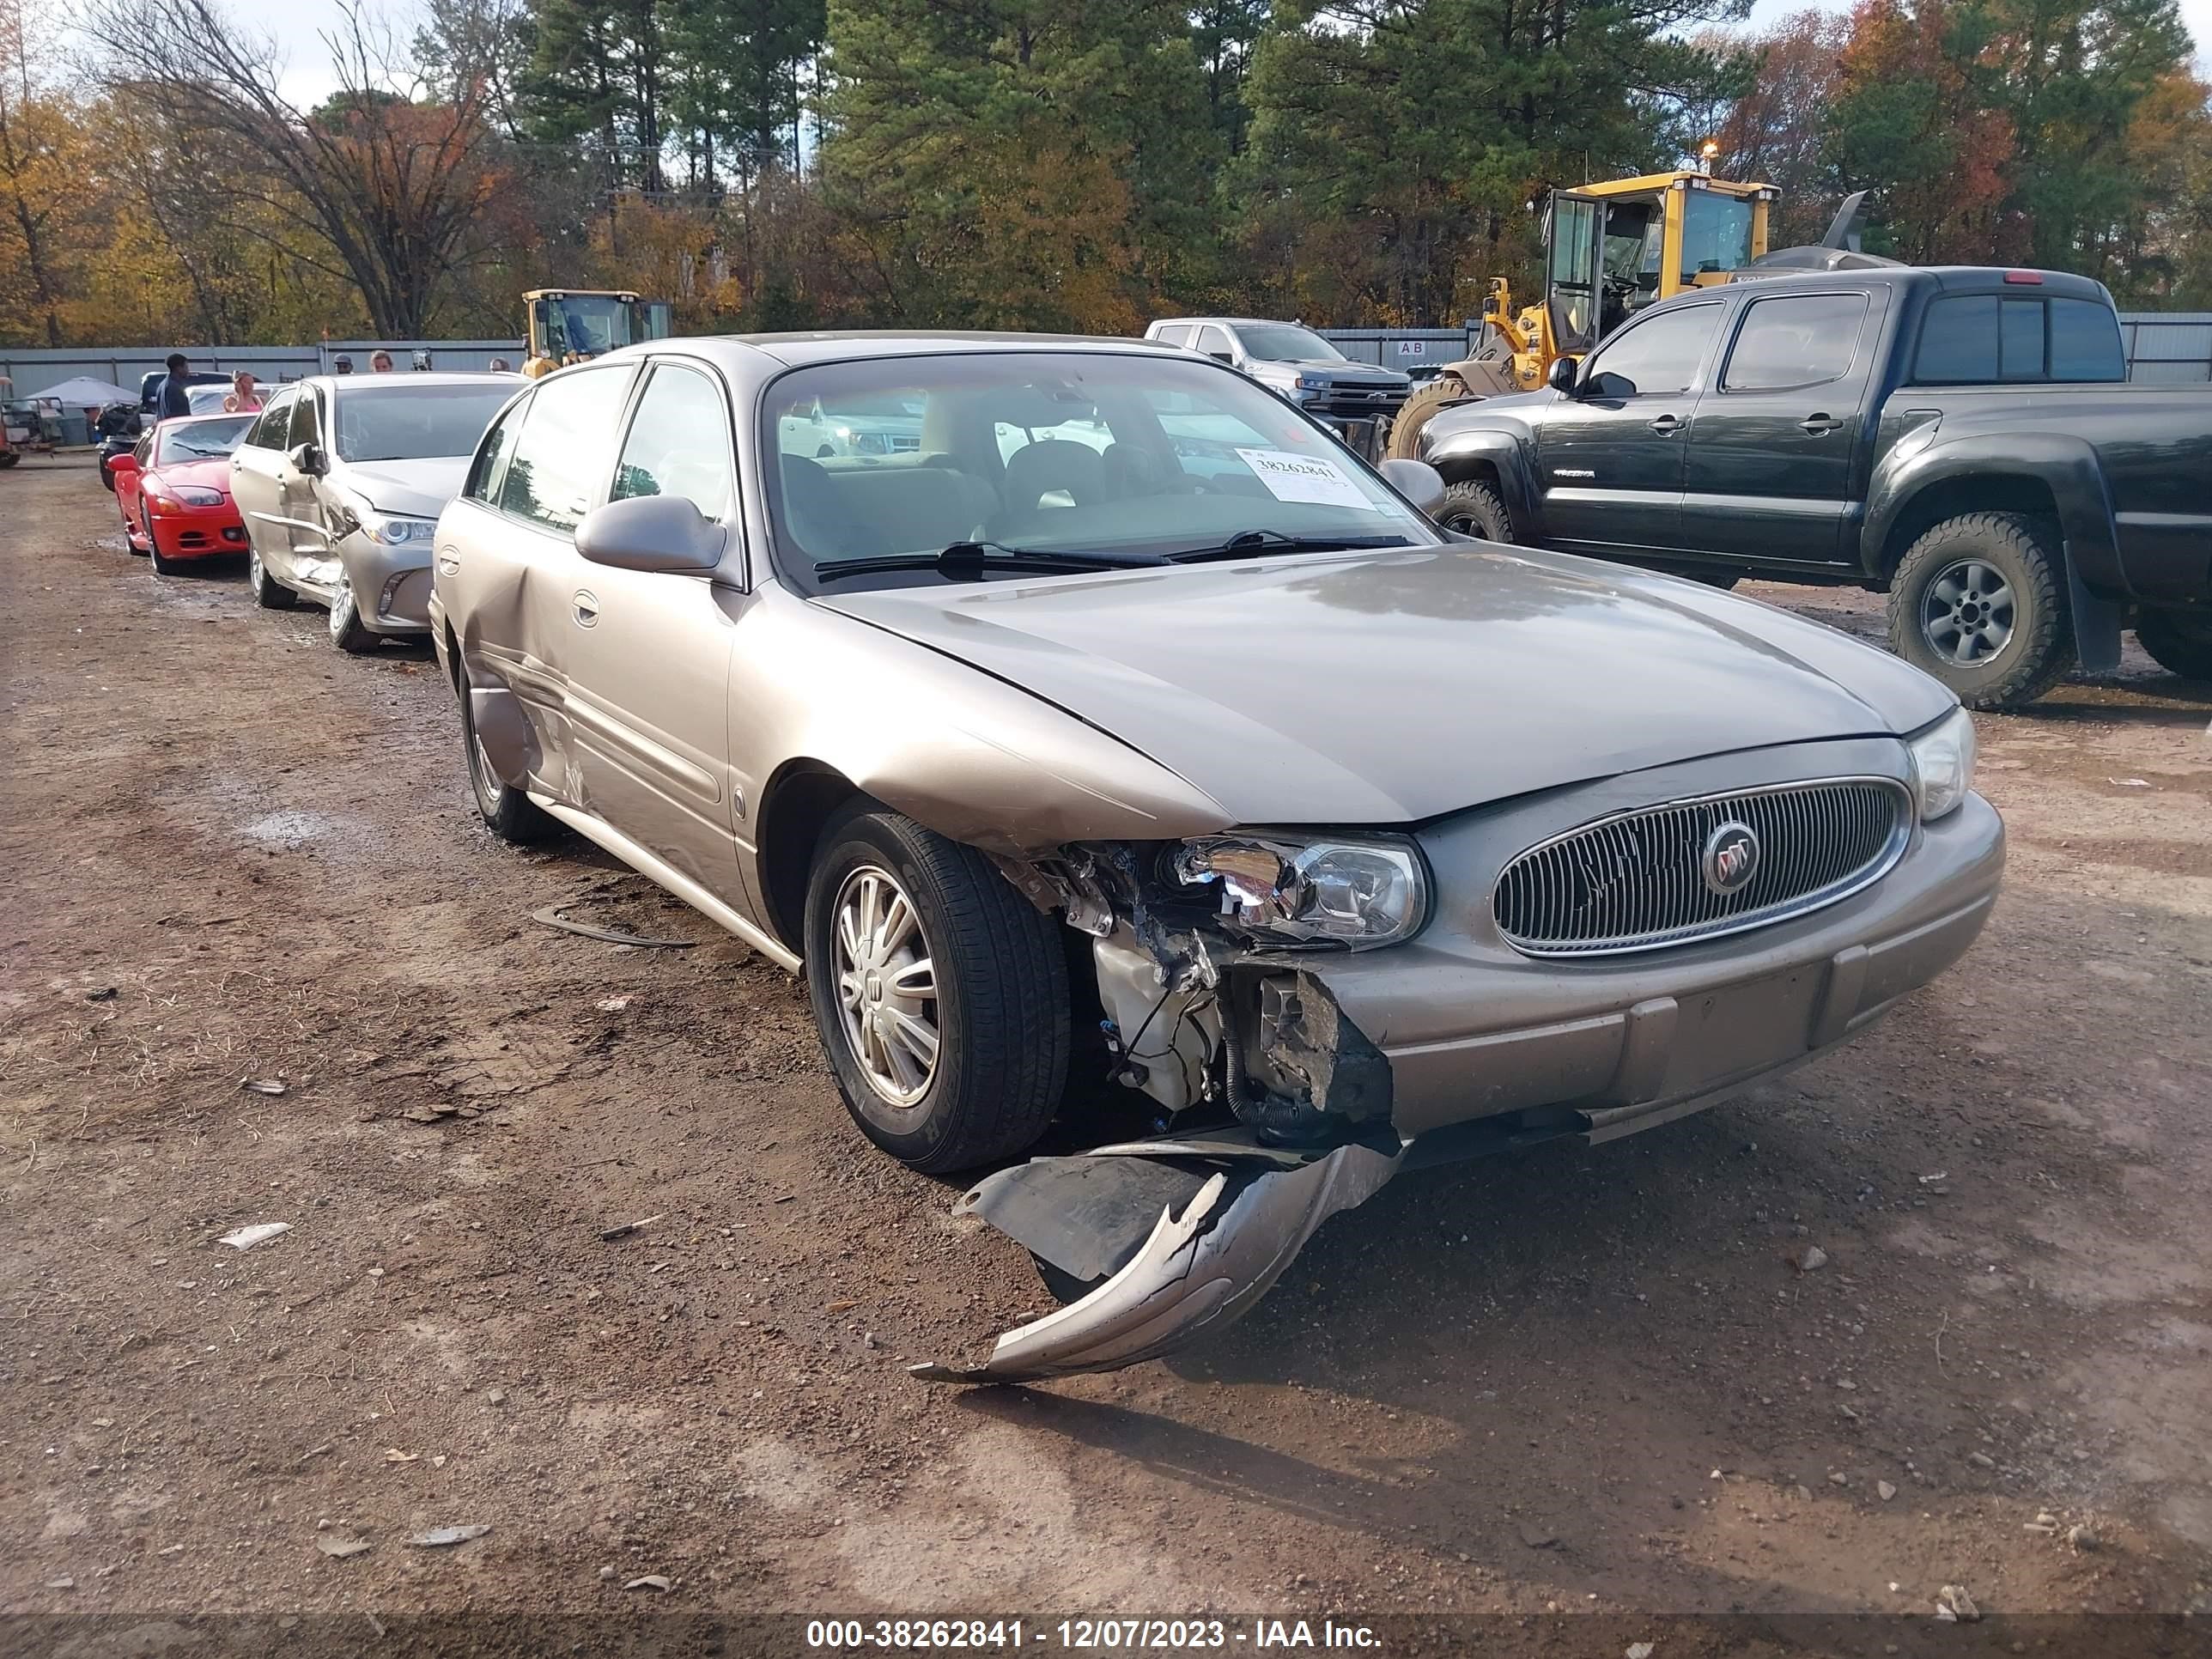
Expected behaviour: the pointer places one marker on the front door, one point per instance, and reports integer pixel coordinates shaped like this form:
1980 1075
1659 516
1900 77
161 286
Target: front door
1610 455
315 560
258 469
1772 447
647 654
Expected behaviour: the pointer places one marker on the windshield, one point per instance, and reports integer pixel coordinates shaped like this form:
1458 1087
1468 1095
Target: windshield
1716 233
584 325
199 441
1285 342
1123 456
402 421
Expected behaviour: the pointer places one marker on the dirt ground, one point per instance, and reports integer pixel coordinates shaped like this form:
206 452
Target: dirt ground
1580 1380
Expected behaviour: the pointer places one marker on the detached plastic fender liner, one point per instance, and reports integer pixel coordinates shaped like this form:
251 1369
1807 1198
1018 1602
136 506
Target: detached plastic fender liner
1199 1270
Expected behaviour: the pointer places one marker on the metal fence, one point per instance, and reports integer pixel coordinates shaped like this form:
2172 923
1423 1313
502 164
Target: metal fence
33 371
2171 348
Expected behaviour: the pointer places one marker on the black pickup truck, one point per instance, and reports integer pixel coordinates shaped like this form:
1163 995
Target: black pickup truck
1961 439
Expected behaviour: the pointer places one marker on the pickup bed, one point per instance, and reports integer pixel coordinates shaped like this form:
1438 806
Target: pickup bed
1962 438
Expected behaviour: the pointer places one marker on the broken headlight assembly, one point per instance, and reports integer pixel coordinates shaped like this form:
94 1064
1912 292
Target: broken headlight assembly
1942 765
1357 895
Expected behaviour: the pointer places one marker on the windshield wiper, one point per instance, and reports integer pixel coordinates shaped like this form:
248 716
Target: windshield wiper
1261 541
963 560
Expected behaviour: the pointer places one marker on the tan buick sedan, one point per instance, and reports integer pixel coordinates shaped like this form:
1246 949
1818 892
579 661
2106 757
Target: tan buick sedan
1089 727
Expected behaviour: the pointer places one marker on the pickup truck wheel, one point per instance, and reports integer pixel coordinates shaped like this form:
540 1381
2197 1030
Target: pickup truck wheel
939 991
1979 601
2180 642
1474 508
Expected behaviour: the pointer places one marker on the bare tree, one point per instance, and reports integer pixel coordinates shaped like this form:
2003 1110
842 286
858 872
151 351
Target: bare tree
389 184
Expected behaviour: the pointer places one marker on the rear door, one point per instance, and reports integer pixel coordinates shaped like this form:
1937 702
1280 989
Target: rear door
1610 456
257 470
645 654
1775 439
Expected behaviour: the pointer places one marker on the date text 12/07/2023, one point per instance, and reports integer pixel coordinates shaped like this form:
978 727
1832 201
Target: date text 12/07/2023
1086 1634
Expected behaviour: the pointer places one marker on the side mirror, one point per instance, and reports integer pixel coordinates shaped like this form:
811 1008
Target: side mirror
125 462
1562 374
652 532
1418 482
1222 357
307 459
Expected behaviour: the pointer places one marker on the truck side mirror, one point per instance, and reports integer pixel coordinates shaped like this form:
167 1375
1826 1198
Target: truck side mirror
1561 376
1222 357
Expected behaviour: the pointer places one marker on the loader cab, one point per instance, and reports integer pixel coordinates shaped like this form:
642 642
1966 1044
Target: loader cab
571 326
1612 249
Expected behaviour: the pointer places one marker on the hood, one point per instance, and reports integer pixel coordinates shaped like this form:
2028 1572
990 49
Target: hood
207 475
1391 687
1337 369
417 489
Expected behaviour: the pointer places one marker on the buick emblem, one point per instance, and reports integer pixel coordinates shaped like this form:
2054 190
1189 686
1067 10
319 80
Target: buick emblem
1731 857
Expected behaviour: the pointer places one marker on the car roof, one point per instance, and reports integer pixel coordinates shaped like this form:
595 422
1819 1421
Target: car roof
414 377
754 358
1237 322
1954 278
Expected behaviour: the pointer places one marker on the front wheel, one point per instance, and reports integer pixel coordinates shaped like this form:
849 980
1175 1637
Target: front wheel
163 565
940 994
268 592
2180 642
1979 601
1474 508
347 631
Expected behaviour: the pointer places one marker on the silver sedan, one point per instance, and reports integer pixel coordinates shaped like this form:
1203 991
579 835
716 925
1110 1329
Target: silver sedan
1127 731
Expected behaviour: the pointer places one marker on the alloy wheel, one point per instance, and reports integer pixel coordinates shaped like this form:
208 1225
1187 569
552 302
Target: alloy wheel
886 986
1966 612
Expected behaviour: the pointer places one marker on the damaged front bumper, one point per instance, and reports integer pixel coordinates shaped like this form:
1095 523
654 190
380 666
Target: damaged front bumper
1231 1215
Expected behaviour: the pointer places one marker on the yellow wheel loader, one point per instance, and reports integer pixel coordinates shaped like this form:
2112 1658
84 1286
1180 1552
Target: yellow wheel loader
568 325
1609 250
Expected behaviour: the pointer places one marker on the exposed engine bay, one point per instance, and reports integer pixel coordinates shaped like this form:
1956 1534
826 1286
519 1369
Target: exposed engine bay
1275 1109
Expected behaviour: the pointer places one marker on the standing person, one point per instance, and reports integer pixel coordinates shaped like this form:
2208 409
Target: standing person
245 398
497 366
173 403
344 365
379 362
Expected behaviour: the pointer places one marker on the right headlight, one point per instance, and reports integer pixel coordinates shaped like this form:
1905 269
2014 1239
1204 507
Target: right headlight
1942 765
1357 894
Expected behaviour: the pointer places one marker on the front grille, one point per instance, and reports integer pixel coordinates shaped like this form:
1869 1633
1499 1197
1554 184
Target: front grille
1636 881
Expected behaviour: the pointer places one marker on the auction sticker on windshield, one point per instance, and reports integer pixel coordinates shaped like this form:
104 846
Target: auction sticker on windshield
1304 478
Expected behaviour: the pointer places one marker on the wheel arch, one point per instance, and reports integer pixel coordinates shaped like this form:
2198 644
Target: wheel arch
1490 457
795 805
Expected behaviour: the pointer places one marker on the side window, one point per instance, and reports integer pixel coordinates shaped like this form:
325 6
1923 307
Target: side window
2085 342
1659 355
144 451
1212 340
486 471
563 450
306 429
1805 340
1175 334
679 443
1957 342
268 431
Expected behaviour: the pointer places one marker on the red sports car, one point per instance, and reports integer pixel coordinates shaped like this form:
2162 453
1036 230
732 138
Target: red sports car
174 490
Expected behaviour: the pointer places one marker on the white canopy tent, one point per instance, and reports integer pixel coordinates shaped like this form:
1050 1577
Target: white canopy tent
85 393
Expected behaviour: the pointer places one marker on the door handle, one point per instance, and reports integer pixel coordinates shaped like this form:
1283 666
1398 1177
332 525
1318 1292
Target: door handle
1818 426
1665 425
587 608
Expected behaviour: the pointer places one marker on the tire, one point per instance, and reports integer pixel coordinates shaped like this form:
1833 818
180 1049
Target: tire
997 1010
1980 602
348 632
1417 411
163 564
7 458
268 592
1474 508
2180 642
505 810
